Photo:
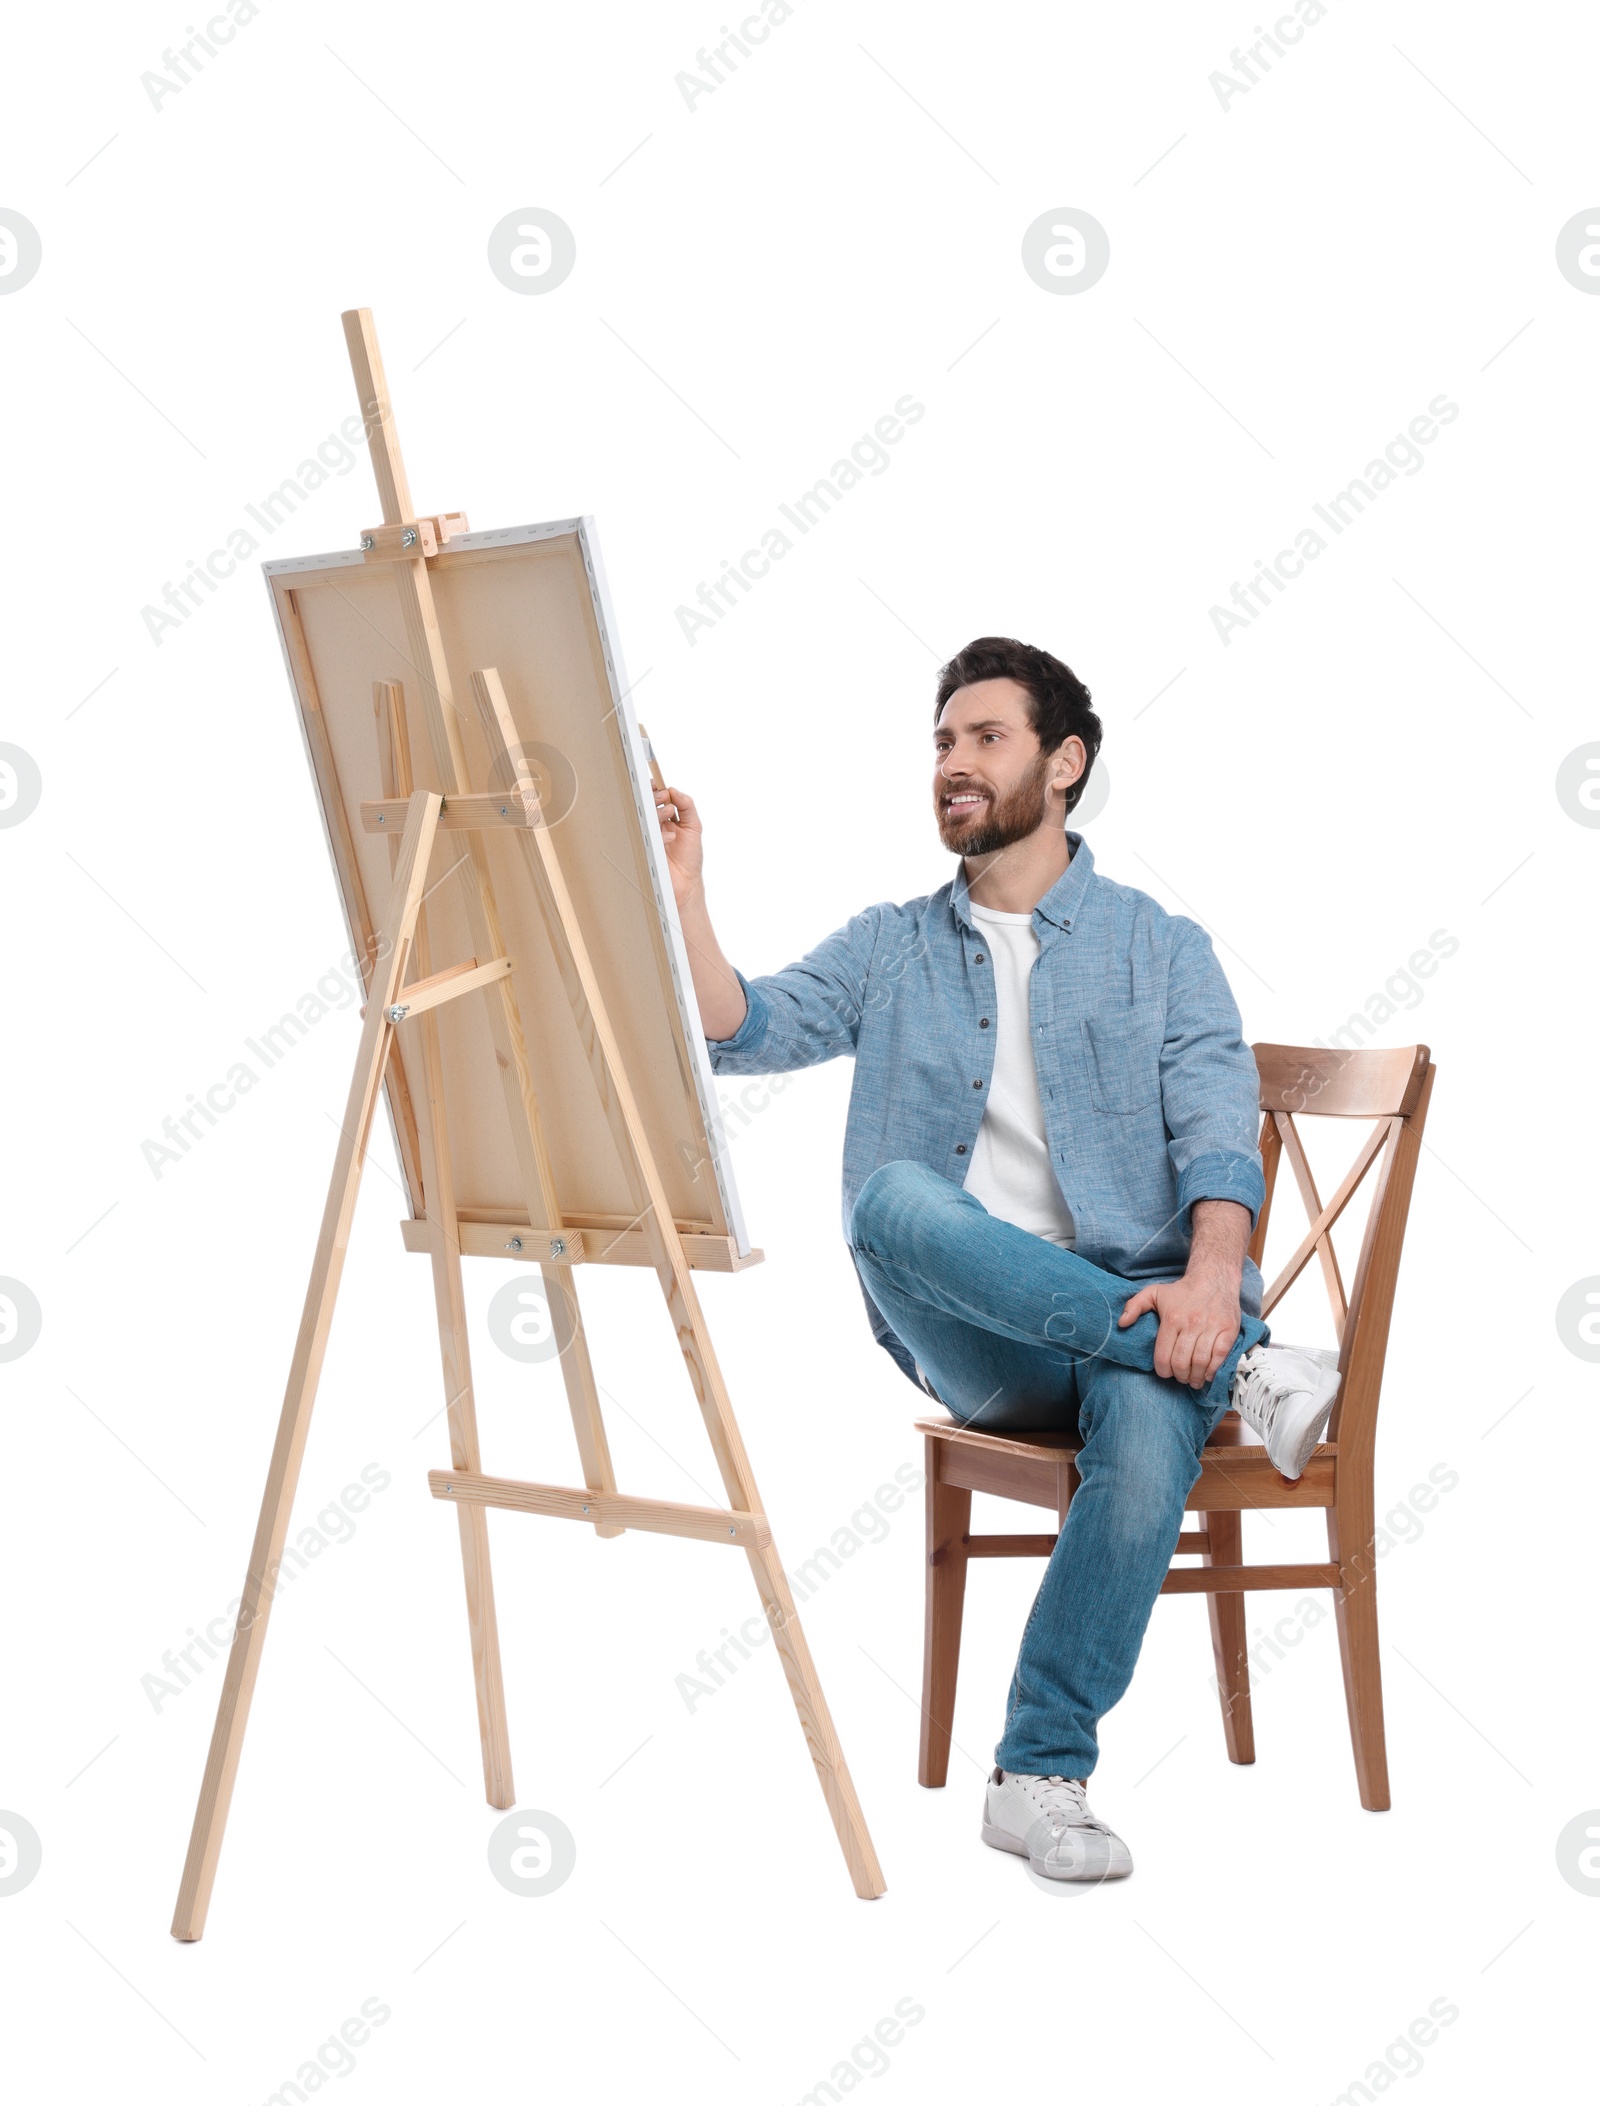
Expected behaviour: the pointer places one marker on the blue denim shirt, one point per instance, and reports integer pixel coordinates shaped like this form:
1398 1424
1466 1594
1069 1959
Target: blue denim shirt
1150 1093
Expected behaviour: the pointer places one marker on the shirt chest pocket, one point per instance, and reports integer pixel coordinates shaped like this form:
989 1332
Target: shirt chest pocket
1123 1047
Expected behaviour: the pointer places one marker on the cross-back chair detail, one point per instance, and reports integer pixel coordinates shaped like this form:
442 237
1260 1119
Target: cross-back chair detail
1392 1088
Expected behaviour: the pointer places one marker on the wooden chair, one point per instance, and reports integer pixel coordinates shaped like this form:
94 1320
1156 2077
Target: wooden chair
1038 1469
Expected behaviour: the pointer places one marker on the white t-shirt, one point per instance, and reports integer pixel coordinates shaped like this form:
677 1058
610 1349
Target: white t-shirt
1011 1173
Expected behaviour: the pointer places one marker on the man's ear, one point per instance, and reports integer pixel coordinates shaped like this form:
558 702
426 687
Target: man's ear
1072 757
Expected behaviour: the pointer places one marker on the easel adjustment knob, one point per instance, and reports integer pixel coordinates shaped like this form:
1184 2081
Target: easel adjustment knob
403 540
407 539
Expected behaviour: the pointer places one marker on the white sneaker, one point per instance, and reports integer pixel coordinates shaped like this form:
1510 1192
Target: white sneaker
1286 1394
1047 1821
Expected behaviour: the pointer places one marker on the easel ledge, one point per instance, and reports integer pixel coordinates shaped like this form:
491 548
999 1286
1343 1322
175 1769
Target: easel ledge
583 1241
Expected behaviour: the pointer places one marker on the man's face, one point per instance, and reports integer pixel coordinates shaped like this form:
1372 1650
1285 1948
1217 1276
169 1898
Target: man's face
990 780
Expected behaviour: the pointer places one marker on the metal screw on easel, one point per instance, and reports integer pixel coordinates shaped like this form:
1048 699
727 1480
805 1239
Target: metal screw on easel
367 541
515 1243
408 538
558 1246
399 1010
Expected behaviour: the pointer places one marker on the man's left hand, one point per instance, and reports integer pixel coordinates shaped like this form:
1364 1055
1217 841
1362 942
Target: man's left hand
1199 1313
1199 1322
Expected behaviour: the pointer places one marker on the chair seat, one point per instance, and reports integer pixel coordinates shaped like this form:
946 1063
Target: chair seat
1235 1474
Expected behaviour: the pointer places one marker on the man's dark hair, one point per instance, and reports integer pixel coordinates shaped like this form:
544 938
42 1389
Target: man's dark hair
1059 704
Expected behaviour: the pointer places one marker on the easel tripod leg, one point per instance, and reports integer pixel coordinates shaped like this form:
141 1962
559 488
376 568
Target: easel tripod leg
816 1723
455 1359
394 764
294 1423
635 1150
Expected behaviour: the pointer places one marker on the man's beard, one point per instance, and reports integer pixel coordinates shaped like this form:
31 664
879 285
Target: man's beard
1004 821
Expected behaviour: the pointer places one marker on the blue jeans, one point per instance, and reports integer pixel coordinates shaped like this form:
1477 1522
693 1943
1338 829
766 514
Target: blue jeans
1012 1332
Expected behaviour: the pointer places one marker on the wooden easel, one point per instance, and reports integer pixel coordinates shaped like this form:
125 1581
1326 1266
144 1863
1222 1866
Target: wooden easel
510 799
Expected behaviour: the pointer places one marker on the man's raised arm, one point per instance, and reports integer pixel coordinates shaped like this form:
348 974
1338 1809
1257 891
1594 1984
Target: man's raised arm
716 984
809 1012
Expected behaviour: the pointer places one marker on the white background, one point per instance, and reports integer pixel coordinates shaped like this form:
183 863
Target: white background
1292 280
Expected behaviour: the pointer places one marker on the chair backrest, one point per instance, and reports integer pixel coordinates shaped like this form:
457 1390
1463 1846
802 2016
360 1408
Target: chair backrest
1391 1087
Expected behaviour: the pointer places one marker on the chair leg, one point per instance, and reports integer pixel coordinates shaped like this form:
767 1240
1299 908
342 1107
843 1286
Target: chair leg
1228 1641
1355 1606
949 1510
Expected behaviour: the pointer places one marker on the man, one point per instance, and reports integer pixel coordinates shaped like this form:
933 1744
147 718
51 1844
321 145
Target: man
1050 1182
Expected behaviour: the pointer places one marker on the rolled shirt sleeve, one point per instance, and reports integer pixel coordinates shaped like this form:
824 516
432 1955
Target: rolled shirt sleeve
808 1012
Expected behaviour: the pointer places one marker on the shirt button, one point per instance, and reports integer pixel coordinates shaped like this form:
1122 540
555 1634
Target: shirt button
977 957
983 1023
961 1148
977 1085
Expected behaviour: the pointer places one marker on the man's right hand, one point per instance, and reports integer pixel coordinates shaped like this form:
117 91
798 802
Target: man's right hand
683 840
716 984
